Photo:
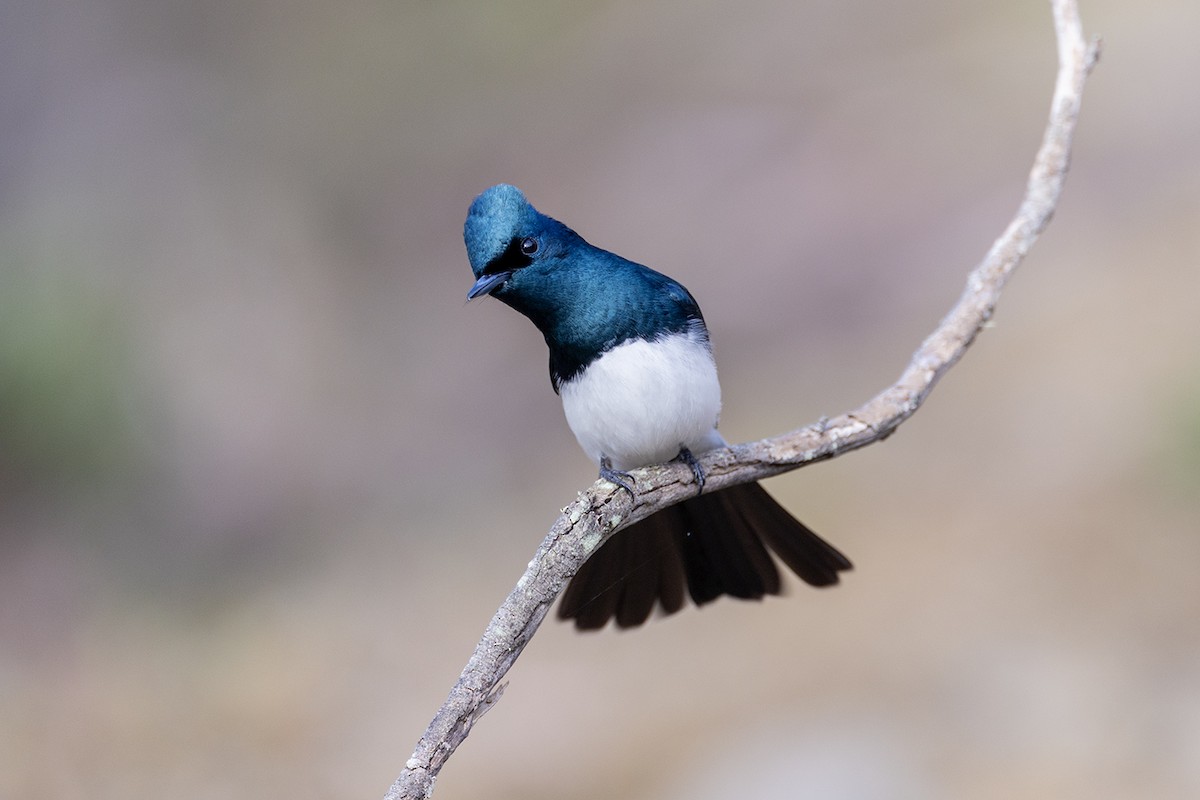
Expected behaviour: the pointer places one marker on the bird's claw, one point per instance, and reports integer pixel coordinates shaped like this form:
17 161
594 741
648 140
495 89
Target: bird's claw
686 457
616 476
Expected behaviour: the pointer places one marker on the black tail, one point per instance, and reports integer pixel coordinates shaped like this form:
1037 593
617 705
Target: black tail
715 544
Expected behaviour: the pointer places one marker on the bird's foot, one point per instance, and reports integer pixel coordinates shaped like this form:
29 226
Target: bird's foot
686 457
616 476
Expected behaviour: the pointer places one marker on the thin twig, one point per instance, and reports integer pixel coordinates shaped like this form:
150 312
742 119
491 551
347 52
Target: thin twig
602 510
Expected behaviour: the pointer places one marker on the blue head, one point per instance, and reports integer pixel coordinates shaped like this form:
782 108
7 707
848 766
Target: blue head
497 218
527 260
583 299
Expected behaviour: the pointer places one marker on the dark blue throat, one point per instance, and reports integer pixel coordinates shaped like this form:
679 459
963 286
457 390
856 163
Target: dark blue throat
597 302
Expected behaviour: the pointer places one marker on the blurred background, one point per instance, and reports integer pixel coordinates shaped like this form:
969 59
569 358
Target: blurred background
264 476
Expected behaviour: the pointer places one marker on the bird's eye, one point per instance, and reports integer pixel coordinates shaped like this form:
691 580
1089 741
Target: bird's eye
529 245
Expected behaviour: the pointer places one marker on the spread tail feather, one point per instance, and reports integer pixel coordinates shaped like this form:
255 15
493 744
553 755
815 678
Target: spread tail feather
713 544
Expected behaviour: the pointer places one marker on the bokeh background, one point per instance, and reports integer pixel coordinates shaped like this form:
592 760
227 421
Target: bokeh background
264 476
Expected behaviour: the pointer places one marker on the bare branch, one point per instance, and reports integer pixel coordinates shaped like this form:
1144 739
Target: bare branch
602 510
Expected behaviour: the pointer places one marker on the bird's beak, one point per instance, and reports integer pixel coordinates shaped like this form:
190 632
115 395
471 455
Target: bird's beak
488 284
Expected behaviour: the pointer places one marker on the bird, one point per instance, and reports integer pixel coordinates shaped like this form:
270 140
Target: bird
631 359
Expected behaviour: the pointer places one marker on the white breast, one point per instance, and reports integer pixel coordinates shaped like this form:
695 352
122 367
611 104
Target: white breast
640 402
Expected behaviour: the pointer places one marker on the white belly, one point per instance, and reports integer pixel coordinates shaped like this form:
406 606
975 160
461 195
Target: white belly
639 403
